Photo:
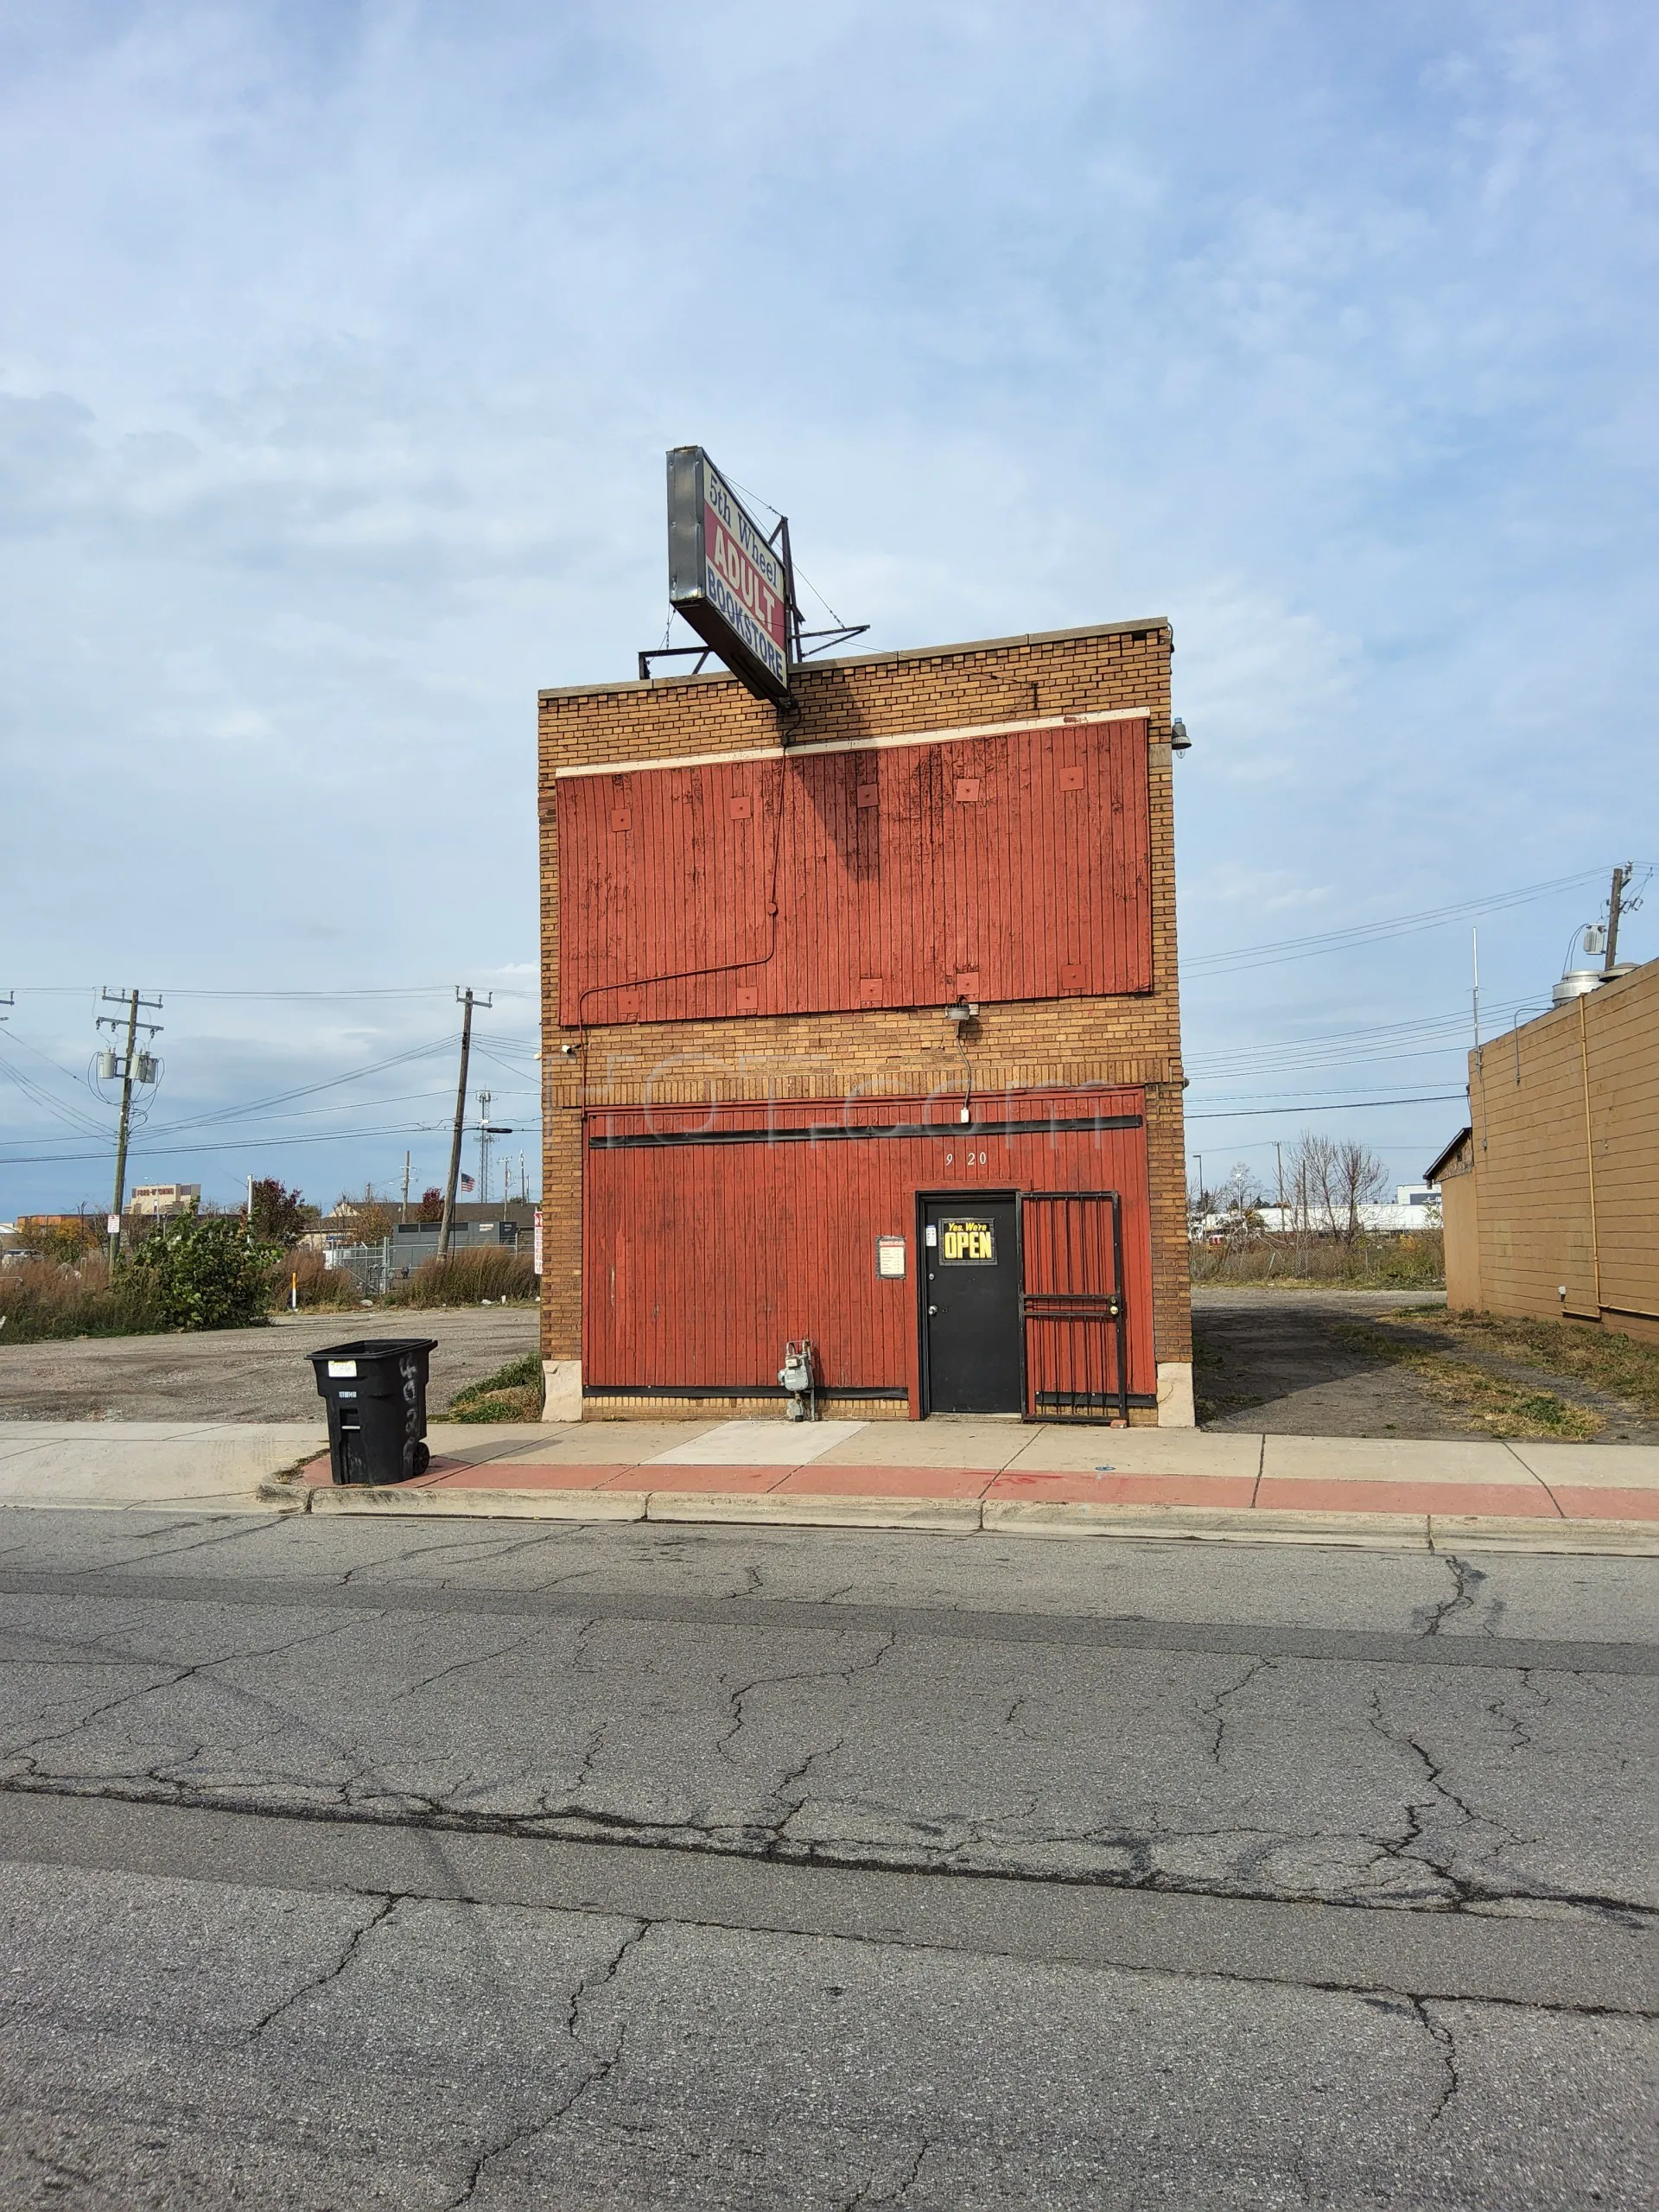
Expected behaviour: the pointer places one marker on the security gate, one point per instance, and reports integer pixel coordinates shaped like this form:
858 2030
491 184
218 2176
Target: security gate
1072 1306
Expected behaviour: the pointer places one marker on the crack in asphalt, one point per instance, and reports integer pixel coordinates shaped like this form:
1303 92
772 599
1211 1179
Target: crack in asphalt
1445 2043
601 1978
462 1666
1215 1710
1460 1895
828 1616
738 1699
1466 1582
868 2193
34 1744
531 2131
383 1909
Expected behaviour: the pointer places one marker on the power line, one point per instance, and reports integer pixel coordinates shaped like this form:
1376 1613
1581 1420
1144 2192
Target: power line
224 1144
1327 1106
1297 948
180 991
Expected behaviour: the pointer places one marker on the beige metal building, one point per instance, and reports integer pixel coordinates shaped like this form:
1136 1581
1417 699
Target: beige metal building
1551 1195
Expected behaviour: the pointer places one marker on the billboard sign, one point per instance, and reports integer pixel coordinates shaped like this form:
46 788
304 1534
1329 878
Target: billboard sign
723 577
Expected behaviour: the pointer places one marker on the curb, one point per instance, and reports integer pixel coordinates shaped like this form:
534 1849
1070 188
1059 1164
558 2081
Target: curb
951 1516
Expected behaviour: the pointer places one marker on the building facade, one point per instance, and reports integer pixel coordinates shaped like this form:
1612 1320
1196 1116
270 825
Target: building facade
862 1027
156 1201
1551 1195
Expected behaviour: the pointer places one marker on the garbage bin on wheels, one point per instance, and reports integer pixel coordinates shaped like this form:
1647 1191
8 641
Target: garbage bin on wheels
375 1392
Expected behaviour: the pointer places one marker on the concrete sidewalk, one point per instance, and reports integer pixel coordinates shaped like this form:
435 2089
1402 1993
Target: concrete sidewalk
966 1475
163 1465
961 1476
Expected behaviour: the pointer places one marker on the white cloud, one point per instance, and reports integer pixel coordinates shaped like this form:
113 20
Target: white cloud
338 348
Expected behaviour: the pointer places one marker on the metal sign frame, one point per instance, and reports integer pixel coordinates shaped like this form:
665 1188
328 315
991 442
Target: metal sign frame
738 592
690 473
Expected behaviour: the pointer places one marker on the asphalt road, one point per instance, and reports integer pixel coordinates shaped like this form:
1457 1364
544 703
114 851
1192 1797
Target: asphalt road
353 1863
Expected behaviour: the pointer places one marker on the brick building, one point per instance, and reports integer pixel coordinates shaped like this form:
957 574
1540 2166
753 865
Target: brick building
1551 1193
861 1025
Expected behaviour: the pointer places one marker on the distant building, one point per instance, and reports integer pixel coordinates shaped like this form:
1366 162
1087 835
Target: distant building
1551 1192
150 1201
1416 1206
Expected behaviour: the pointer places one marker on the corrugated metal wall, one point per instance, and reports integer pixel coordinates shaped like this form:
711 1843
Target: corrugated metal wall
710 1237
1011 867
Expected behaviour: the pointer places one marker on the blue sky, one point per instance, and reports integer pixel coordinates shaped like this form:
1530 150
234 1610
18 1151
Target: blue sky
339 345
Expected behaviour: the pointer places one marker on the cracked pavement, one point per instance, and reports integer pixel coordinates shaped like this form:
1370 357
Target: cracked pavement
1398 1742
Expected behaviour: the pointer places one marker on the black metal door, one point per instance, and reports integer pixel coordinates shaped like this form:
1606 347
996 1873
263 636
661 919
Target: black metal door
970 1305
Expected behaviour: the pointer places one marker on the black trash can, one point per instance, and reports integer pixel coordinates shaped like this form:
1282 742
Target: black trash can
375 1392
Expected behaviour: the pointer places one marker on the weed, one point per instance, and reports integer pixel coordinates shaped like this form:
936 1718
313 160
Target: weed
513 1393
487 1271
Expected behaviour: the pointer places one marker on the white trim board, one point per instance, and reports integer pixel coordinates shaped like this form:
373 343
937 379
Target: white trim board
856 744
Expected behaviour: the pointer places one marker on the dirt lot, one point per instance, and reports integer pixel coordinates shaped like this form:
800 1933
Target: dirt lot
1334 1363
243 1374
1327 1363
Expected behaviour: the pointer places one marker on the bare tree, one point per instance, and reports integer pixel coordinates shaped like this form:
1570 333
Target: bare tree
1314 1182
1359 1177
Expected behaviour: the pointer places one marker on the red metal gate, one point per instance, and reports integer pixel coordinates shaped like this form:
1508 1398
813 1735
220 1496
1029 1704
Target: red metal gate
1072 1306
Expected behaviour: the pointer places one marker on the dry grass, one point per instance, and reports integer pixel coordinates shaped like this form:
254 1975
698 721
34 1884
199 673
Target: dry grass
1414 1260
488 1272
1500 1405
1606 1360
1505 1408
319 1286
42 1299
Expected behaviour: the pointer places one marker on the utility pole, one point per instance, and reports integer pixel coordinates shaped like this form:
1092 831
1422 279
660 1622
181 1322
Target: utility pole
403 1214
1621 885
127 1069
447 1223
1279 1167
484 1146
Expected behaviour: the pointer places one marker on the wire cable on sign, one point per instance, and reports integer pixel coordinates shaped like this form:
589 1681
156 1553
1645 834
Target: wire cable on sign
799 571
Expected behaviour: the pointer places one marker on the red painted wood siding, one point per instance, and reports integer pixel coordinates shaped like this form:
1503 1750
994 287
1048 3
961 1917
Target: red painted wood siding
700 1260
1013 867
1068 1257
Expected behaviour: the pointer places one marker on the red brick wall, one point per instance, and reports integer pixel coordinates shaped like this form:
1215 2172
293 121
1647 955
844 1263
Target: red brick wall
1120 1040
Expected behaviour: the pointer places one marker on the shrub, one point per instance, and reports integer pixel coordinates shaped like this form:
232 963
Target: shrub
205 1271
489 1271
70 1242
42 1299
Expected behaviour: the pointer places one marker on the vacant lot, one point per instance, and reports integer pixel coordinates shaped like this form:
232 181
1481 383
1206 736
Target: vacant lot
1334 1363
1324 1363
243 1374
